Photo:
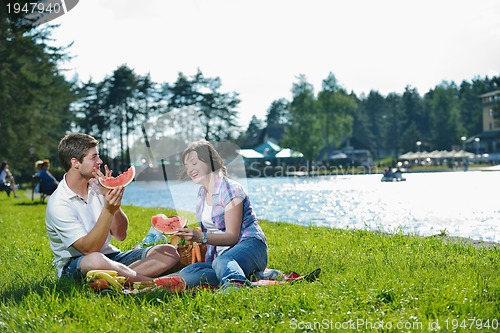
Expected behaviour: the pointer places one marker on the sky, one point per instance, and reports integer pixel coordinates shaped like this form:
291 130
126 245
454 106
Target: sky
258 48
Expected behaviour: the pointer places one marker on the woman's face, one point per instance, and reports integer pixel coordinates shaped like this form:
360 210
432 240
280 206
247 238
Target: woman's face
196 169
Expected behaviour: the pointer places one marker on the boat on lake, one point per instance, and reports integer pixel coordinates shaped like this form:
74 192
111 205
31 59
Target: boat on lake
393 176
393 179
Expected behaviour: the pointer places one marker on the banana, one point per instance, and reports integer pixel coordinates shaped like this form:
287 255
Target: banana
107 271
121 279
103 274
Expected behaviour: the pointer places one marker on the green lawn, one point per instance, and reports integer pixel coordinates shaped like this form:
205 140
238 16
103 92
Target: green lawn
370 282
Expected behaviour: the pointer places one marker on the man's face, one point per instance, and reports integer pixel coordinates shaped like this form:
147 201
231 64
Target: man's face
91 162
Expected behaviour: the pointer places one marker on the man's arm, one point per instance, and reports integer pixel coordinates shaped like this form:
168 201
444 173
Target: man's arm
119 226
111 217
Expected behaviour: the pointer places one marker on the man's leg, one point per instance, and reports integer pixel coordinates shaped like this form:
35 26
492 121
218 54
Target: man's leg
97 260
159 259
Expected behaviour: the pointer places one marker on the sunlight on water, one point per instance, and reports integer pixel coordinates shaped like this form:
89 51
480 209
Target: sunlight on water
461 203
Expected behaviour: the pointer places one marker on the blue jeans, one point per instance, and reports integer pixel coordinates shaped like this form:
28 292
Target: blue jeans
236 264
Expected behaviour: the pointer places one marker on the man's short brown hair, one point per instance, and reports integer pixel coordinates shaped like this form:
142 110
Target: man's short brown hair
75 145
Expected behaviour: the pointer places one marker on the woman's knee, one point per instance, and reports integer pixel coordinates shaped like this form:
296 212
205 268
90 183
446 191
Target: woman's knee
199 273
166 250
221 263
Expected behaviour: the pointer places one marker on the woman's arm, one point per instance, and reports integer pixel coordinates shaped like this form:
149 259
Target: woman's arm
233 216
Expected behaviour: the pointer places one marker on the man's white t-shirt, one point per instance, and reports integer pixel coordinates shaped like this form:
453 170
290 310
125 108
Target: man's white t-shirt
68 218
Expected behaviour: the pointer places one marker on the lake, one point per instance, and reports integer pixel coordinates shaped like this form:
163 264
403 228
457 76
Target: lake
463 204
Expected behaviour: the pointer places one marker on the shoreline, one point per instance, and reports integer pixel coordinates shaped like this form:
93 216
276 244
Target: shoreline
274 172
467 241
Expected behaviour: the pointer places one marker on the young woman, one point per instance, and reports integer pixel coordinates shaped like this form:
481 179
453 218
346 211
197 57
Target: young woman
236 244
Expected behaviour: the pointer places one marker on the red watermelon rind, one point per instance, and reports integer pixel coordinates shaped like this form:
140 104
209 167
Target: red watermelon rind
122 179
168 225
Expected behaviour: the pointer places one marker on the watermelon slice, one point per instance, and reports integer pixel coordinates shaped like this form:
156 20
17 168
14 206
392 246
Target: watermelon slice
123 179
168 225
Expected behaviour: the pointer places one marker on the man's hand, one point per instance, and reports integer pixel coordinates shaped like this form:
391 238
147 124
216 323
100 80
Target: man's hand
97 173
113 198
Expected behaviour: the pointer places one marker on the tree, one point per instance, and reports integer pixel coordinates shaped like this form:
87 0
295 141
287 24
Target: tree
447 126
90 114
374 108
148 97
361 127
416 125
302 134
410 137
35 97
122 91
335 108
114 107
395 120
278 113
216 110
254 126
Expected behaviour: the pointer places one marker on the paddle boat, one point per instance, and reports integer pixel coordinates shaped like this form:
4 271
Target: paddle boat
390 176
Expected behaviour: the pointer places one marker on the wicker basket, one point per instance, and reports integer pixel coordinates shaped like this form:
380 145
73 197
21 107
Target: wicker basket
186 253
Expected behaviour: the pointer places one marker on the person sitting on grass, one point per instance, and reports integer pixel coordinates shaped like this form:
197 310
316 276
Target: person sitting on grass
236 244
47 181
82 217
7 179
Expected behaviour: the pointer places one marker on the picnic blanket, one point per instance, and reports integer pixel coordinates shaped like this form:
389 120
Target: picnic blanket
105 281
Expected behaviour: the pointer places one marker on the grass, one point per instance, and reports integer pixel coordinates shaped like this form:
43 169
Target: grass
370 282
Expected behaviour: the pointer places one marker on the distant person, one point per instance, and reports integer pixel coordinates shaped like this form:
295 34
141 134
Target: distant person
466 165
388 173
398 174
82 218
236 244
48 182
7 179
38 167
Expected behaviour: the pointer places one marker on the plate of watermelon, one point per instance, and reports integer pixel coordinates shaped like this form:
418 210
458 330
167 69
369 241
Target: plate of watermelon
168 225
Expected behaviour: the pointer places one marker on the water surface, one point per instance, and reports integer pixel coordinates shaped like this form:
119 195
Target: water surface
460 203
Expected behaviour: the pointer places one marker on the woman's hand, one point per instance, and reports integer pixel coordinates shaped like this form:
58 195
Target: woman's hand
191 235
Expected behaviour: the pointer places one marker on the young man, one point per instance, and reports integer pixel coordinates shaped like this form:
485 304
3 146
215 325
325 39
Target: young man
82 217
